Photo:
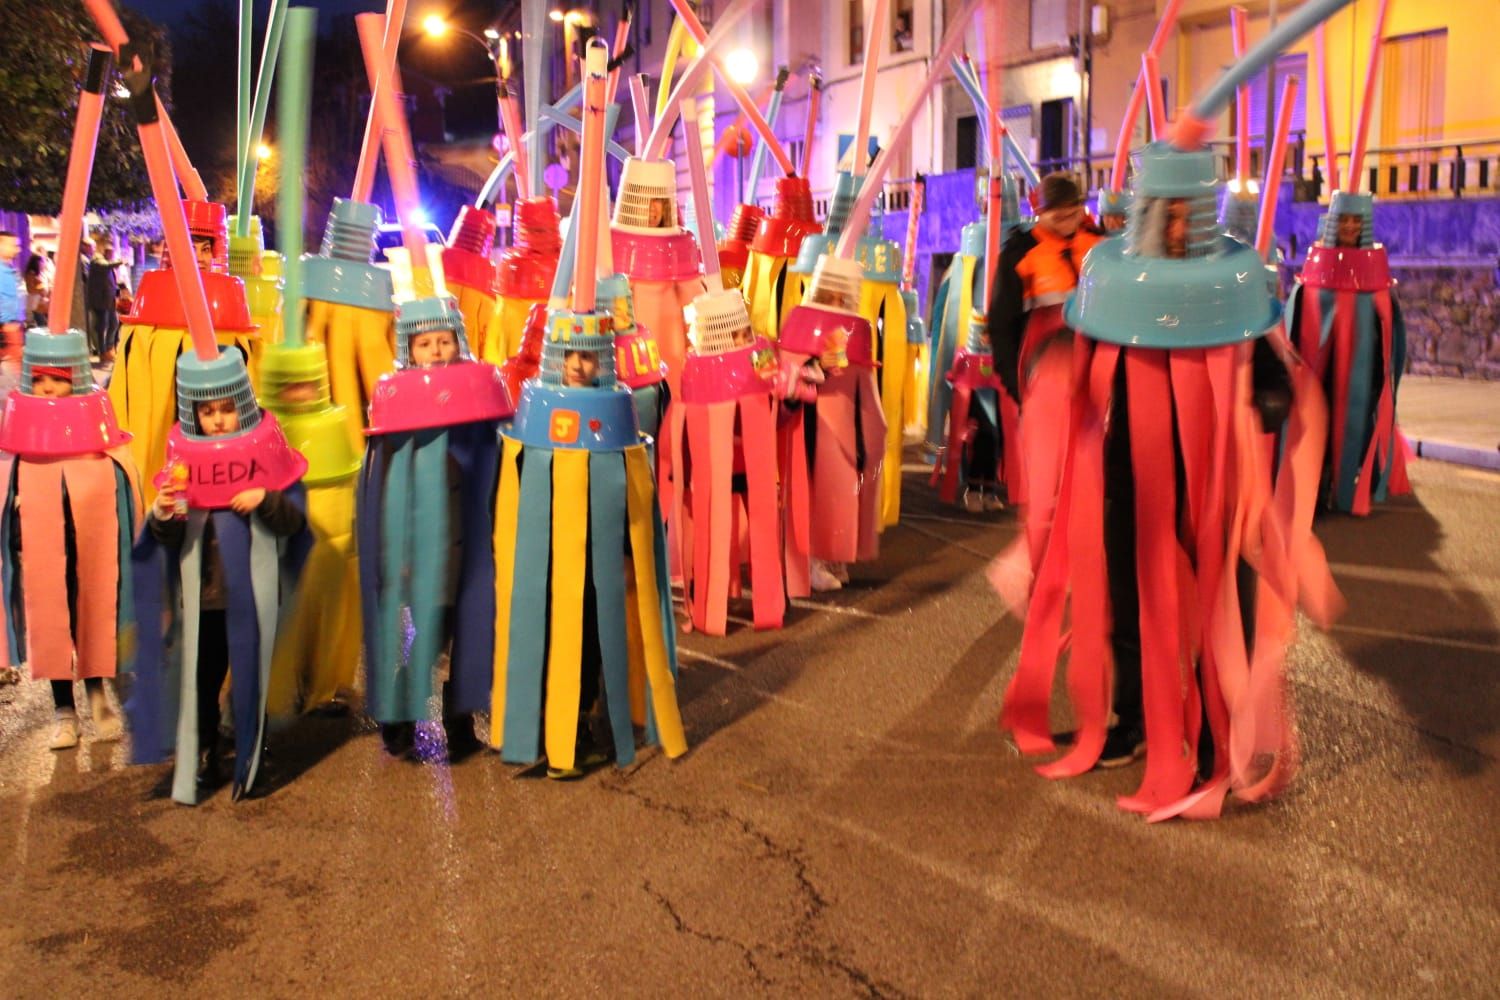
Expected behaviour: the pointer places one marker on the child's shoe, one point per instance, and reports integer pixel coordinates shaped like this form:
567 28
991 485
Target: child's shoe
821 579
992 501
974 500
840 571
64 730
107 727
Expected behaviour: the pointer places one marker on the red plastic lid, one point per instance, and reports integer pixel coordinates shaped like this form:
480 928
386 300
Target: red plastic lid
157 302
746 371
656 257
812 331
38 427
1343 269
469 269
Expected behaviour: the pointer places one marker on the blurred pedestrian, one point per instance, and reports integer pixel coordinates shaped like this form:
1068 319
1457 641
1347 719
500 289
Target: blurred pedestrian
12 300
103 321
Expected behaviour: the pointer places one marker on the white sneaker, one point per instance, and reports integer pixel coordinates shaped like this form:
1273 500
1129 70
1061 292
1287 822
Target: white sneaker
821 580
992 502
974 501
107 727
840 571
64 730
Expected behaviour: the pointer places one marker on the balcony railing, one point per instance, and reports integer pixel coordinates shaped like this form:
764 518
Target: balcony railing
1427 169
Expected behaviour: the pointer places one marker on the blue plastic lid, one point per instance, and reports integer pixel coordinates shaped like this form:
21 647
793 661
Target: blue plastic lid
569 331
599 419
971 239
881 258
609 291
341 272
57 350
1163 171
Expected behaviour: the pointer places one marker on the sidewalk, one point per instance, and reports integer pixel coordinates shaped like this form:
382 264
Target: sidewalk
1451 419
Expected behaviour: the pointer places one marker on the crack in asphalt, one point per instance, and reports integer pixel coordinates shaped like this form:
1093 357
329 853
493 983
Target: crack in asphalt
814 903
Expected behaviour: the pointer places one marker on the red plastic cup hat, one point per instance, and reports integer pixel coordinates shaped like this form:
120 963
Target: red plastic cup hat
210 219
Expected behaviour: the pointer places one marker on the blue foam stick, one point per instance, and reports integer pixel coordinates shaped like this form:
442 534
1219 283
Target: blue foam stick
762 150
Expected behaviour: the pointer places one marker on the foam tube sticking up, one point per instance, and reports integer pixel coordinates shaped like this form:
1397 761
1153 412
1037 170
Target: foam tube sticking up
292 112
76 189
274 29
1372 73
369 152
1138 96
590 190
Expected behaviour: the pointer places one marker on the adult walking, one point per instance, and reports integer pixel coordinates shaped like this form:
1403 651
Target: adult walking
103 320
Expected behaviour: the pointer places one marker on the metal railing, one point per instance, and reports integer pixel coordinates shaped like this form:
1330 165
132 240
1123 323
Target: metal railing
1425 169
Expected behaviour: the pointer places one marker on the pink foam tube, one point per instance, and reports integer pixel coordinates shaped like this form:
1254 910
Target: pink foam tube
867 77
913 217
591 173
814 99
1241 99
103 13
859 216
1274 166
1362 132
369 150
76 190
703 207
1153 96
510 117
179 240
993 222
1133 107
642 104
1330 141
661 129
741 97
399 158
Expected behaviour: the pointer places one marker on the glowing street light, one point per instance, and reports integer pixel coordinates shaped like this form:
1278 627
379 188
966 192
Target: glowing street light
556 15
742 66
434 25
492 34
262 152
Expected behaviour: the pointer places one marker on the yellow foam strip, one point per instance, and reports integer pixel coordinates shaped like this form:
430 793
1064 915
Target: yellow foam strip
570 534
478 309
639 490
507 516
877 297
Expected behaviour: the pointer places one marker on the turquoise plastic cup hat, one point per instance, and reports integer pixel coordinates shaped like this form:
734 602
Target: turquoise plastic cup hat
568 331
223 377
612 292
971 239
436 312
1131 292
840 203
1113 202
1010 201
1239 213
1348 203
341 272
68 351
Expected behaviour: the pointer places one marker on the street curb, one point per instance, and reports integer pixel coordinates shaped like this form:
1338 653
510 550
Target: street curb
1458 454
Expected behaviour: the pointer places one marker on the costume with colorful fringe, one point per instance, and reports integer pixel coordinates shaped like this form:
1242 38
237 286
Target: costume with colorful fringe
425 508
72 501
142 387
349 311
1346 322
953 302
580 548
1174 339
726 514
523 279
777 242
978 394
261 573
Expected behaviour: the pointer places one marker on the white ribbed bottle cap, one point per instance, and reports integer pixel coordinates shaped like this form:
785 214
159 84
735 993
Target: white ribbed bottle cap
717 318
646 185
836 284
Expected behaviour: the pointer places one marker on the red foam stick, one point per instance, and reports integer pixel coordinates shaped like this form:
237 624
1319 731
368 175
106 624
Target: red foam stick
510 118
747 105
1241 99
590 176
76 190
1330 141
914 217
867 86
814 98
622 35
369 150
1274 167
1362 131
1153 96
400 160
1138 96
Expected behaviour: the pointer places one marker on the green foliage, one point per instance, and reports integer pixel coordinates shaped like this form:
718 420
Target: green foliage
43 55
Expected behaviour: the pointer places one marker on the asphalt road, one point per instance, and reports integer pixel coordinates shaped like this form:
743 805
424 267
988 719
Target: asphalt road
849 822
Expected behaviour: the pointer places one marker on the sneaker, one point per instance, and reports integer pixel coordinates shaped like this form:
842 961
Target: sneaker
64 730
459 732
1122 747
992 501
398 738
821 579
974 501
107 727
564 773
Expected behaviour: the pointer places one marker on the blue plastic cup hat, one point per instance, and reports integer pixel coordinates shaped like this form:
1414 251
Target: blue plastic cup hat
1239 213
426 315
612 292
971 239
1150 290
1114 202
1348 203
67 351
341 272
223 377
567 332
350 233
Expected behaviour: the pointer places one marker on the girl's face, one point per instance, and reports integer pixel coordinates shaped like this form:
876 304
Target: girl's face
1351 228
435 347
217 417
51 386
580 368
203 249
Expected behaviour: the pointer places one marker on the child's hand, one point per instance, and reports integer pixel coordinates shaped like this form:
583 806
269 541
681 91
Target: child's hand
246 501
165 506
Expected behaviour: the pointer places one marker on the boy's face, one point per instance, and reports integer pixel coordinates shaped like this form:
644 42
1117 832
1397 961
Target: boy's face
434 347
580 368
1174 239
743 337
217 417
1063 220
203 249
1351 228
51 386
298 392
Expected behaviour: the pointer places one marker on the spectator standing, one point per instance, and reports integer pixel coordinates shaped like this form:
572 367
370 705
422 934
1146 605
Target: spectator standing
103 321
12 301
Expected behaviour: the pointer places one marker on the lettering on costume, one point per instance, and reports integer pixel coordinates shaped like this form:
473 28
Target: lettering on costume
564 426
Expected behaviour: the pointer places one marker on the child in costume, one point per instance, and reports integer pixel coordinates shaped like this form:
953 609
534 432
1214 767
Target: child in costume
72 500
221 554
424 511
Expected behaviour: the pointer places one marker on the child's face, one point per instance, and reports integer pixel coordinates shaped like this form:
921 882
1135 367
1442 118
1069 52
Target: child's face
51 386
580 368
1175 237
434 347
743 337
217 417
1112 223
1351 228
203 249
298 392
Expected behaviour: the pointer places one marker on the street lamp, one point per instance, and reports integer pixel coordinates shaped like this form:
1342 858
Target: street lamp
434 25
742 66
262 152
495 47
